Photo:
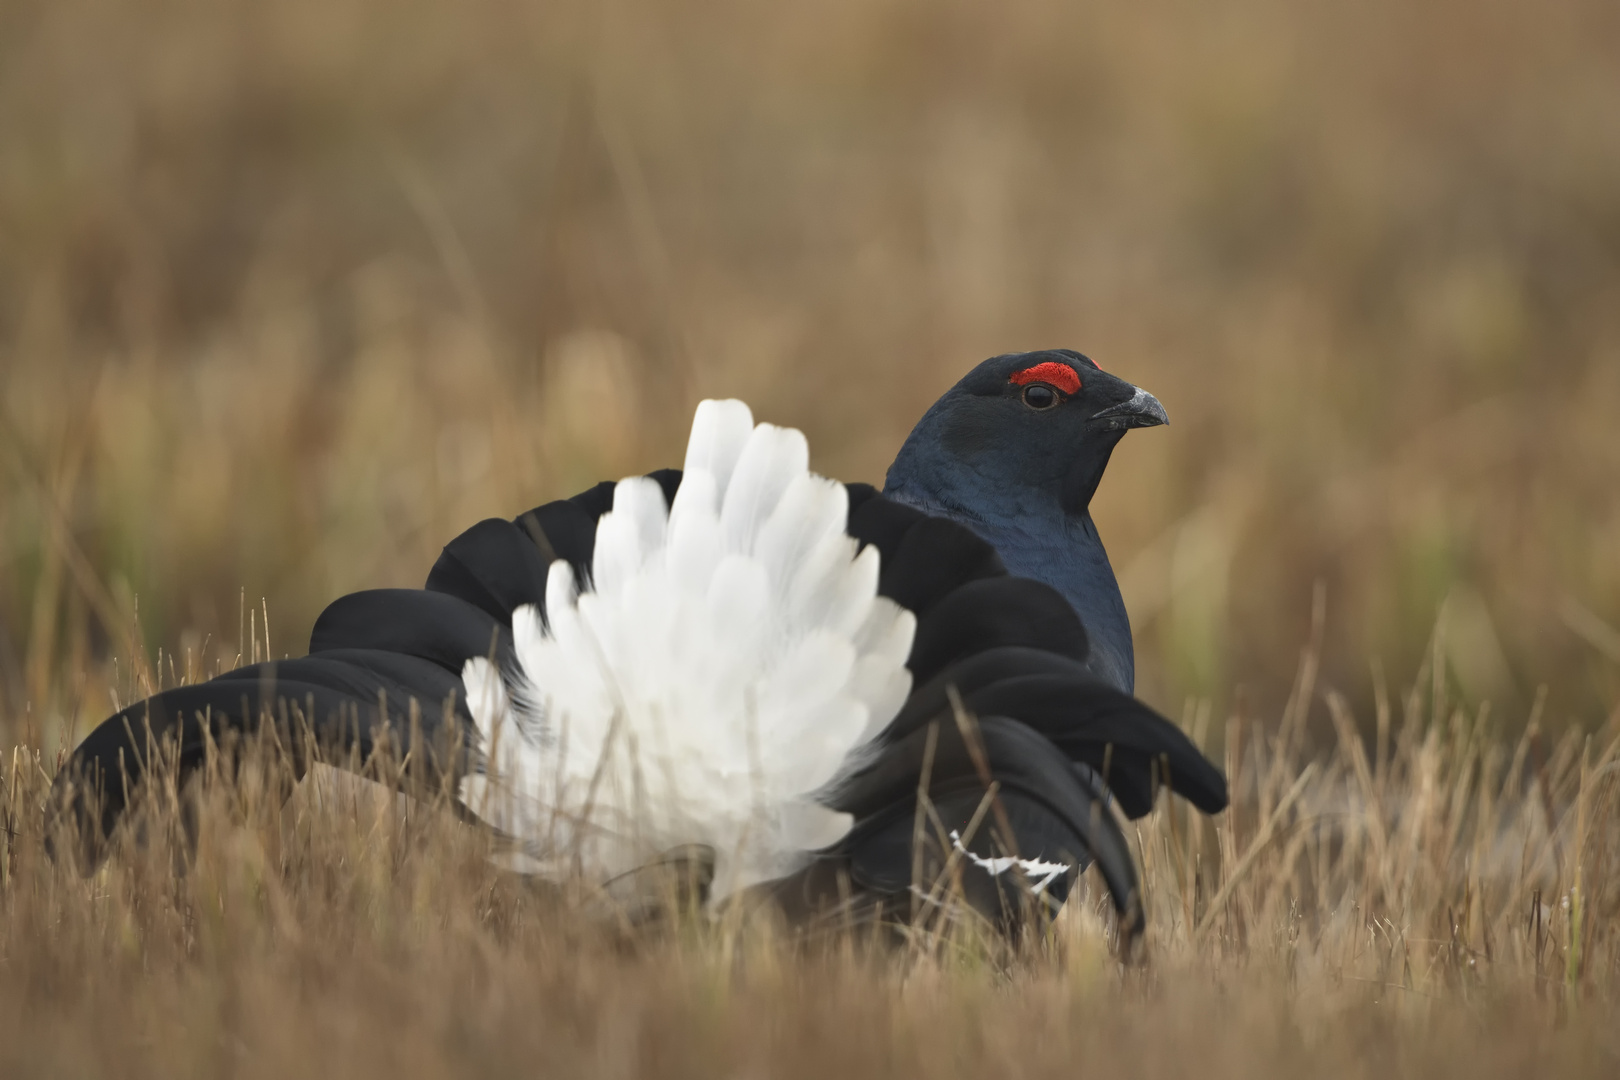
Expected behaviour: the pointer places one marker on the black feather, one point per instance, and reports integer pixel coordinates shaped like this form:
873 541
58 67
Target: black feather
492 566
432 626
923 558
966 676
993 613
341 702
1055 814
1134 748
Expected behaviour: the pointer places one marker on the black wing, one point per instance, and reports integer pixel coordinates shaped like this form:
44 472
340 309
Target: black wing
383 664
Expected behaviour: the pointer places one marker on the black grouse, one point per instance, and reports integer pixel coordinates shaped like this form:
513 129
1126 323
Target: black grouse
747 660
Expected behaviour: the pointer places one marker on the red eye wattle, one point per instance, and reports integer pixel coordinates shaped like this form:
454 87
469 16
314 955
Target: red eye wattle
1061 376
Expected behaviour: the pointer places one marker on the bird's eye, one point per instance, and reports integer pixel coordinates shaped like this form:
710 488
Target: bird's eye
1041 397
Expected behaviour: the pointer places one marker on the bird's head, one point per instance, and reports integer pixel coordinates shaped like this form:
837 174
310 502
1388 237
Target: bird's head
1020 429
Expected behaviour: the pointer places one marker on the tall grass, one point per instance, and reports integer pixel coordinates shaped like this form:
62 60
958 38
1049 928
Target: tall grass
1442 906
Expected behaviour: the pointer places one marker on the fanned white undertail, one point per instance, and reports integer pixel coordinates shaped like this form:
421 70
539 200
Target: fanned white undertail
730 660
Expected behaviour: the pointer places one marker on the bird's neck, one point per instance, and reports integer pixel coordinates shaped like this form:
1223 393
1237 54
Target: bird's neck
1036 538
969 495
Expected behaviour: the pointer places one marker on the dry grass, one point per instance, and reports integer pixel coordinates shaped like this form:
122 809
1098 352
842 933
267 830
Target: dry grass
292 293
1443 907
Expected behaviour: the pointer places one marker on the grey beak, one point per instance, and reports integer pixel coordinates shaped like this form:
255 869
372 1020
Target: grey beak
1142 410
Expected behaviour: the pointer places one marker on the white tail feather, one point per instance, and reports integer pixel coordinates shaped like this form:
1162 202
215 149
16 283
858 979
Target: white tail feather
730 659
719 430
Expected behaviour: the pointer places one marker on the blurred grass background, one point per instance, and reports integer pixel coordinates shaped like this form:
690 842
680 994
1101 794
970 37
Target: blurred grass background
290 294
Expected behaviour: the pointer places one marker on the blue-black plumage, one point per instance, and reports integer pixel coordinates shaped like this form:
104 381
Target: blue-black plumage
1015 451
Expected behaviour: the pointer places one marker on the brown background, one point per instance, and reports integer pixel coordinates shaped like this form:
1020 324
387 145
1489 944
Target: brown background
291 293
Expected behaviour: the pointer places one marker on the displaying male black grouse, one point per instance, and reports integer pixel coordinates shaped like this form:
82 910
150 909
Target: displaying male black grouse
747 659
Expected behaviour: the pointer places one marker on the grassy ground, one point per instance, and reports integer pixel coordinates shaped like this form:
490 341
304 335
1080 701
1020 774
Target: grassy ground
290 294
1444 906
